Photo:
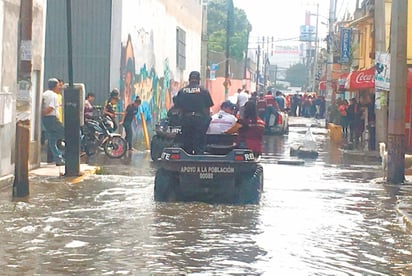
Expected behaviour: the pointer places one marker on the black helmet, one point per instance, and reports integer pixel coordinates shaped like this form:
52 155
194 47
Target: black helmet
115 93
194 75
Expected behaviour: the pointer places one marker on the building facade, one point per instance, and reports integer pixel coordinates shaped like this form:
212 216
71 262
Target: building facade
19 84
144 48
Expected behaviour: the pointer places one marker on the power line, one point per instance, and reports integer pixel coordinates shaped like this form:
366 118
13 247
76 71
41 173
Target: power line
270 41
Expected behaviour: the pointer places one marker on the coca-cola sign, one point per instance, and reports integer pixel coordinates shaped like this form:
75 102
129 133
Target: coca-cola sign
363 79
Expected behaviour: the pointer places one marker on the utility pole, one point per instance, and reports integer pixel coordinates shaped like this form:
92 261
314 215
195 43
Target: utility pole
71 109
308 54
381 111
26 18
329 66
203 61
21 171
257 68
267 64
228 35
249 27
265 69
315 62
398 77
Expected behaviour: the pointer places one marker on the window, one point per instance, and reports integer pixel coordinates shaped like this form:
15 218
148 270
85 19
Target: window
180 49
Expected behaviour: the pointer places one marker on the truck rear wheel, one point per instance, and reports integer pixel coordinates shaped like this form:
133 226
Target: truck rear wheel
251 187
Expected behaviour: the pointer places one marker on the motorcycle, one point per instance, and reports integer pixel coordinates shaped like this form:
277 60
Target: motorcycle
96 133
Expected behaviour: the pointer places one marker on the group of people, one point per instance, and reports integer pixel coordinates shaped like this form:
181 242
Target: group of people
351 117
194 103
307 105
52 116
244 114
110 109
269 104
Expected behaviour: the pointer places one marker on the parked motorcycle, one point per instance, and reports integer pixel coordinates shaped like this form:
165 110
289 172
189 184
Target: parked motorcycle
96 133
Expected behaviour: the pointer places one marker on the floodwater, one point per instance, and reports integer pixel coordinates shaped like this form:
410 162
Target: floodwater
325 217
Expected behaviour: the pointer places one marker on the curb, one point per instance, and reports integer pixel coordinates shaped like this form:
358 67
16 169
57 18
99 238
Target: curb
403 207
361 155
406 217
6 181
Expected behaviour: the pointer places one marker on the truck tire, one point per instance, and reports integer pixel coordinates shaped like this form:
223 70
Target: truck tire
251 187
164 188
156 147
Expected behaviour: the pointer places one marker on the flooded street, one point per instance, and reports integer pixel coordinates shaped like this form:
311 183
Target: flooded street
325 217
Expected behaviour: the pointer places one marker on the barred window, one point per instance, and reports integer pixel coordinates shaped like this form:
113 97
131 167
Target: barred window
180 49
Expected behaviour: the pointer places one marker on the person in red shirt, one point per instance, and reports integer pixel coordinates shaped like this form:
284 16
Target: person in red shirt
344 121
272 107
250 130
261 105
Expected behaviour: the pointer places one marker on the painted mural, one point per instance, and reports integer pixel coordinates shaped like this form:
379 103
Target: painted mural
155 91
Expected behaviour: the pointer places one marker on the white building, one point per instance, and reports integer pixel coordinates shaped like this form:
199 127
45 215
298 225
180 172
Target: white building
19 96
145 48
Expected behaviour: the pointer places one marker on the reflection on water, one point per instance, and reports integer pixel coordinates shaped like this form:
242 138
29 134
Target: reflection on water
322 218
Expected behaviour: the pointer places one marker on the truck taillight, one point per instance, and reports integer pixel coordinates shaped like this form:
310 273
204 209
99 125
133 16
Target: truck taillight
279 119
239 157
175 156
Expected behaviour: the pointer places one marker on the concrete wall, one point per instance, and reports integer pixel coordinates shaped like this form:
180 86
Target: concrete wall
9 15
38 26
11 92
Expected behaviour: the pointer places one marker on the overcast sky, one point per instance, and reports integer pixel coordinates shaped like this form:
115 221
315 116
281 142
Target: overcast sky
282 19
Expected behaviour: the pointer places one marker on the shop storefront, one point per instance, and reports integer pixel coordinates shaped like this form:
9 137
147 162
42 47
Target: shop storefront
361 86
360 81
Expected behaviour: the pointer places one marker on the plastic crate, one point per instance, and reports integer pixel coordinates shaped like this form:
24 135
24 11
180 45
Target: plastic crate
335 132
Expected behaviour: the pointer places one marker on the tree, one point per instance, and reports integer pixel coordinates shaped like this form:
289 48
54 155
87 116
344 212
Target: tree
217 13
296 75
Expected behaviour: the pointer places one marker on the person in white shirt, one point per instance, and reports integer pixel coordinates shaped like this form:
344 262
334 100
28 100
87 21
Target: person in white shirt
241 101
53 127
234 98
224 119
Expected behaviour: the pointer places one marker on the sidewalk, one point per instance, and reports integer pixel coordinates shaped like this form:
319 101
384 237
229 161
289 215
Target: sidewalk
404 202
51 170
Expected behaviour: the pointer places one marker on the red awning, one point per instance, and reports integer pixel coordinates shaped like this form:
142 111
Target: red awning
322 85
362 79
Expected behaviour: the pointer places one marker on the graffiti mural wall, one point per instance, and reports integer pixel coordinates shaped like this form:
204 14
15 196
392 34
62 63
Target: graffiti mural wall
148 52
155 91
